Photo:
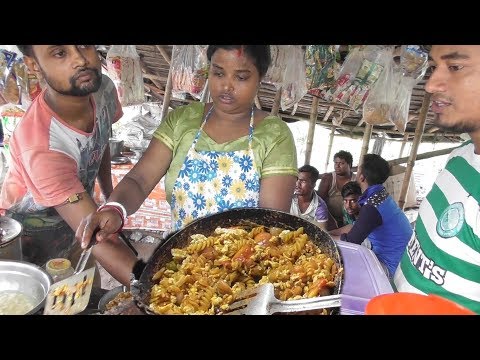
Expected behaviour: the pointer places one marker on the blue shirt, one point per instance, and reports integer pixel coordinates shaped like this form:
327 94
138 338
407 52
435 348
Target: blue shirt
386 226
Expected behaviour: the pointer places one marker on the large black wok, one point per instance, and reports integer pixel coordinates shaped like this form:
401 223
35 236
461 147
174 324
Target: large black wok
206 225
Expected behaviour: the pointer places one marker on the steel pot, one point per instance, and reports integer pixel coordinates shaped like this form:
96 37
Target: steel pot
26 278
10 241
116 147
109 296
141 288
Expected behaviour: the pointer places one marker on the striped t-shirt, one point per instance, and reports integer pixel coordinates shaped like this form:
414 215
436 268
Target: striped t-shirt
443 255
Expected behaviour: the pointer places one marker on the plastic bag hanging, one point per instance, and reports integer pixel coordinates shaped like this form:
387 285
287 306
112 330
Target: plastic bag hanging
321 67
123 66
381 97
189 69
294 85
276 72
358 74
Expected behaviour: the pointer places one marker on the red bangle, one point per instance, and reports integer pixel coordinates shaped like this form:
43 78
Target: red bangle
119 211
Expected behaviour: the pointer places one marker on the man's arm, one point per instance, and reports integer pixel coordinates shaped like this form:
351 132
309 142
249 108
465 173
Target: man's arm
105 174
51 177
343 230
368 219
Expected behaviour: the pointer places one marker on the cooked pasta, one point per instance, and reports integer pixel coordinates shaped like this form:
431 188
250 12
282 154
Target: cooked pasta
207 275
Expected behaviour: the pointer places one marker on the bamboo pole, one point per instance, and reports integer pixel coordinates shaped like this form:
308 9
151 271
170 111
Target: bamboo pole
329 150
146 70
164 54
155 89
361 129
168 94
154 77
423 156
413 153
276 102
311 129
328 113
405 139
366 139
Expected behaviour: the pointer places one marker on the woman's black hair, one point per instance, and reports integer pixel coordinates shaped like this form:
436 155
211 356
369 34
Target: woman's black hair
260 54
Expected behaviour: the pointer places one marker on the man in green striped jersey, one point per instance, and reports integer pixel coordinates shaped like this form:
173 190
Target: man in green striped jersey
443 255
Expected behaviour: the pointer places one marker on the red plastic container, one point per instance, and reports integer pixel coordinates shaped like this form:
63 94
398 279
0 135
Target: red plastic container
404 303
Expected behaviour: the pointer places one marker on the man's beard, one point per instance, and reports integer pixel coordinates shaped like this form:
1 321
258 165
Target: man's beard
74 89
456 128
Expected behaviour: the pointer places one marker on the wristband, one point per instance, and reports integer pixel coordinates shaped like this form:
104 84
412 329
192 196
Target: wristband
119 212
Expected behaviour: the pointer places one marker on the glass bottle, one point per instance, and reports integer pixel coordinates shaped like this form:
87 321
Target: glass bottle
59 269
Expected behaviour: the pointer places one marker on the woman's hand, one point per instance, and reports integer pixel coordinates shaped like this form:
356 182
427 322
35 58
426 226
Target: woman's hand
107 220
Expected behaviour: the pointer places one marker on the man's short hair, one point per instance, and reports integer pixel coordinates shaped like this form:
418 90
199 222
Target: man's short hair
351 188
375 169
314 174
344 155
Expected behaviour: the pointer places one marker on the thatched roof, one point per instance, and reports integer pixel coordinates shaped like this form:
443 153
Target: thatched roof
155 68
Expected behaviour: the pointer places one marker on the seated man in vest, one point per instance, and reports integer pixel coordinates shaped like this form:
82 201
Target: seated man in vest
380 219
306 203
331 184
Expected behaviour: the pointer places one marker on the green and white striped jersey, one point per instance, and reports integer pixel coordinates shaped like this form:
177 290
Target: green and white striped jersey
443 255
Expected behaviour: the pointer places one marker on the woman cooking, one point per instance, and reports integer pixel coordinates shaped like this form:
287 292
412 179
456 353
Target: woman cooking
216 156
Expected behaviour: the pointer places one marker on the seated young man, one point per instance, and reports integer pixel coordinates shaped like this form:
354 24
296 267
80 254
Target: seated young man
351 191
380 219
306 203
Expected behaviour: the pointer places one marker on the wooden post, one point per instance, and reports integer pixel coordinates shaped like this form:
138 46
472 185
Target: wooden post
168 94
164 54
329 150
405 139
413 153
147 71
366 139
276 102
311 129
423 156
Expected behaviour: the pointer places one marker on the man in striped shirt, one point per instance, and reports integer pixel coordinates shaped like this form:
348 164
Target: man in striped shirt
443 255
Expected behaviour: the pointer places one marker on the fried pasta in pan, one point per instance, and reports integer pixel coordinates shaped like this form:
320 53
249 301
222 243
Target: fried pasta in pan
205 276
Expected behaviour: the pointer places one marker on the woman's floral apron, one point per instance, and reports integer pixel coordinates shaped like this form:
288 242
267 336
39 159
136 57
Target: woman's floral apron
213 181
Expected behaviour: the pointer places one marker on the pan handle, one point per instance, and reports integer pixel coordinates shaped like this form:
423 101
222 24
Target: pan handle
127 242
136 292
